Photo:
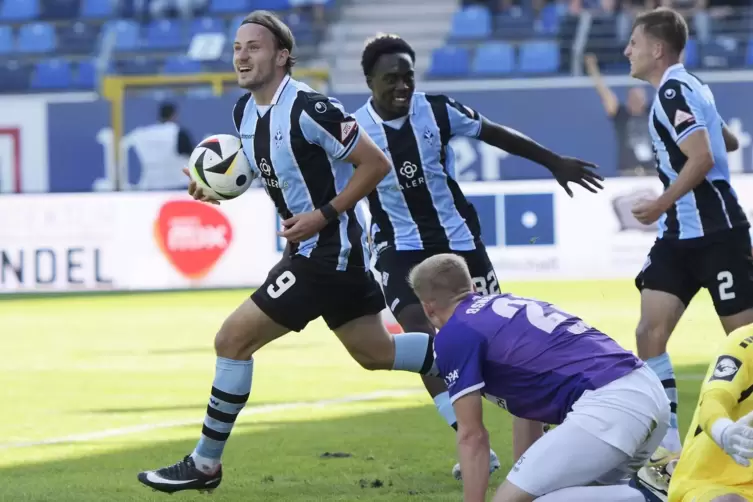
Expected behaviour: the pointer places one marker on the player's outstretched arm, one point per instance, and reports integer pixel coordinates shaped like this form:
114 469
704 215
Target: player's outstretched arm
565 169
473 446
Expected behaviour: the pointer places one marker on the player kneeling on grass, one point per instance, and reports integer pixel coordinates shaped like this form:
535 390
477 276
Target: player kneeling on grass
543 366
715 461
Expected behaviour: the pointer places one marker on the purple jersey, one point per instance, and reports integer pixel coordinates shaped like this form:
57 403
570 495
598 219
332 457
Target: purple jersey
526 356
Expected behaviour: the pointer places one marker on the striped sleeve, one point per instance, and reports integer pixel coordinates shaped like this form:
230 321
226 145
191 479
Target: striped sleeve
324 122
682 107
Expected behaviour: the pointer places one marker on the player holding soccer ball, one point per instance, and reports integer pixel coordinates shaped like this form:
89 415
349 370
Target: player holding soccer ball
704 241
542 365
418 209
304 147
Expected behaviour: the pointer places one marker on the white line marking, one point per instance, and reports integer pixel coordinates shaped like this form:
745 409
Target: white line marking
257 410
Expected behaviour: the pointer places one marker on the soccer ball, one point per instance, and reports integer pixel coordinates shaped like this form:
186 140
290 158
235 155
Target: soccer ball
220 168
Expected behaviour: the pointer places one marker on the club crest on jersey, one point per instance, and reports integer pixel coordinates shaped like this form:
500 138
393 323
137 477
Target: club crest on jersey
429 136
347 129
278 138
265 167
681 117
726 368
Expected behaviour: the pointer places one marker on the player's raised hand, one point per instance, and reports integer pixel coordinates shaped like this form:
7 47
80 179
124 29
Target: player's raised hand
302 226
194 190
736 439
571 170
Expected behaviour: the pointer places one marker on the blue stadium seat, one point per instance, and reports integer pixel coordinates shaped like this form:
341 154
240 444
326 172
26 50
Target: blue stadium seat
449 61
549 20
517 27
723 52
692 58
271 4
179 65
86 76
229 6
78 38
494 58
127 36
207 25
59 9
302 28
749 55
539 57
474 22
36 38
14 77
97 9
139 65
51 74
164 34
19 10
6 40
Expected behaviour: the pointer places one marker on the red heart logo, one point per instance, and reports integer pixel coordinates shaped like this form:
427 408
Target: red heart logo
192 235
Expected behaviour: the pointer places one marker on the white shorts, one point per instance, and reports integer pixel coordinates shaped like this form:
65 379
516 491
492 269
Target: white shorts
607 436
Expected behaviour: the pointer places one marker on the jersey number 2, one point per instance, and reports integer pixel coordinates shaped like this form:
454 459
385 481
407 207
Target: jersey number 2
508 307
726 282
283 283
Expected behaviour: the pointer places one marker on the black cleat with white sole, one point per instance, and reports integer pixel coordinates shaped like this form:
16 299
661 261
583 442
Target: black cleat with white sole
181 476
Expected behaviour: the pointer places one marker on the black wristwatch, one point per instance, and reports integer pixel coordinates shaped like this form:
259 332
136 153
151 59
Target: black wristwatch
329 212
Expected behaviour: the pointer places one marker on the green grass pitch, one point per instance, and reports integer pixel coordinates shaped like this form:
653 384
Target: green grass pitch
97 388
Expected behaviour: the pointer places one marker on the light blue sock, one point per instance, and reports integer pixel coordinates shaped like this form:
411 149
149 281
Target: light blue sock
662 366
444 406
230 391
414 352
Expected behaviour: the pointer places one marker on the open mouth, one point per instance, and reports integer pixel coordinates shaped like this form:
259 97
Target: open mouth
244 69
401 100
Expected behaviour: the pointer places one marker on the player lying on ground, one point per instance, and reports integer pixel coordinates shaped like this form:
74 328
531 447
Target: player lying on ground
703 237
418 210
715 461
542 365
304 147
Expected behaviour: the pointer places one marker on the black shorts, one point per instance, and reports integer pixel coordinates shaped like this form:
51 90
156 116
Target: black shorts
298 290
396 265
721 262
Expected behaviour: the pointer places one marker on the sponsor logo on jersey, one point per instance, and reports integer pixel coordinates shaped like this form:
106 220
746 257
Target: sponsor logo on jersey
192 235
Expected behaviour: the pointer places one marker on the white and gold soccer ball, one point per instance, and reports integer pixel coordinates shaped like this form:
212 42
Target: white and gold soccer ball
220 168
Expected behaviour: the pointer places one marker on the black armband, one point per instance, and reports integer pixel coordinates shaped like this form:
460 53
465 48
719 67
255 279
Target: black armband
329 212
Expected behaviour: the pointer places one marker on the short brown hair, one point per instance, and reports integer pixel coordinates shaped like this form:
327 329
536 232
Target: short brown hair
280 30
666 25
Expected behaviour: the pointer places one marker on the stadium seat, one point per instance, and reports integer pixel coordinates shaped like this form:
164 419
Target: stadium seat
539 57
549 20
36 38
474 22
19 10
494 58
59 9
14 77
97 9
514 27
692 58
271 4
77 38
229 6
6 40
86 76
51 74
749 55
126 34
207 25
139 65
723 52
179 65
302 28
164 34
449 61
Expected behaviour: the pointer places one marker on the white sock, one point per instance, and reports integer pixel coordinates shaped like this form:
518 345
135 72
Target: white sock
204 464
444 406
618 493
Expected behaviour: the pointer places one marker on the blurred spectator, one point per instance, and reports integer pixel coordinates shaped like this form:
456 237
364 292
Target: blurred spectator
164 149
630 122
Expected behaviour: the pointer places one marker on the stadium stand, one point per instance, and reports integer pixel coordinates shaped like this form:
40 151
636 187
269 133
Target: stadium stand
66 44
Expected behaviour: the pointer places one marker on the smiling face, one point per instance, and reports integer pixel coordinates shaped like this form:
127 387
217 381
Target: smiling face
392 82
256 56
642 51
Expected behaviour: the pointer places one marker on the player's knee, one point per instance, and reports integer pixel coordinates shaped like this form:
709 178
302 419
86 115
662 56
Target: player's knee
372 362
233 340
655 334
